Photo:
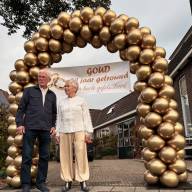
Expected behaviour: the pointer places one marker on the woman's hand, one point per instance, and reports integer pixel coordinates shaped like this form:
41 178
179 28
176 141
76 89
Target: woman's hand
88 138
57 138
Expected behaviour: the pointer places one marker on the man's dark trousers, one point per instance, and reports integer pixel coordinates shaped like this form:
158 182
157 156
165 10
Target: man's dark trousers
28 141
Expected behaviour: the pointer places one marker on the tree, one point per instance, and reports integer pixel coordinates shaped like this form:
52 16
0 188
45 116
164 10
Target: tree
32 13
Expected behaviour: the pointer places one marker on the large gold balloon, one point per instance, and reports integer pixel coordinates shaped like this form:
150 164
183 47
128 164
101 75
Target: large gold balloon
18 161
95 23
145 31
160 65
134 66
10 140
55 45
149 178
35 36
155 143
44 58
86 33
111 47
145 132
117 26
100 11
179 166
181 154
149 94
171 116
33 171
177 142
134 37
18 97
13 75
167 154
143 72
153 119
41 44
183 177
160 105
11 119
20 65
105 34
76 13
120 41
160 52
11 171
166 130
122 54
15 181
169 179
86 14
11 98
123 17
148 42
173 104
179 128
63 19
18 140
146 56
143 109
45 31
23 77
133 52
30 59
67 48
13 151
13 108
29 47
168 80
57 31
148 155
15 87
9 160
75 24
131 23
167 91
68 36
140 86
156 80
80 42
8 180
33 72
157 167
96 42
54 22
109 17
12 129
56 57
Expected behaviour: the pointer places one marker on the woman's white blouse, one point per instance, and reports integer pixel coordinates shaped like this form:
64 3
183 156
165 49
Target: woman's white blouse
73 115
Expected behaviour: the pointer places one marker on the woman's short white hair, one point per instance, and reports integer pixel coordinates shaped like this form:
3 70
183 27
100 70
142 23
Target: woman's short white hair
73 82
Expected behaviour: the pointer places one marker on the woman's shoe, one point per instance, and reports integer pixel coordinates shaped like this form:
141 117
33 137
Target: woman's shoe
66 187
84 187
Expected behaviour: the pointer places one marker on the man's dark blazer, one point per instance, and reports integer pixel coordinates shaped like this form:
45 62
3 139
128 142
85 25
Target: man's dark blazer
32 114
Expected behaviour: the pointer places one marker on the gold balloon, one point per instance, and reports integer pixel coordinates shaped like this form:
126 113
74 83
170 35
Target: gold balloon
41 44
140 86
68 36
100 11
29 47
57 31
145 31
76 13
56 57
13 75
143 72
145 132
18 97
148 42
134 66
160 65
166 130
171 116
120 41
11 119
96 23
33 171
160 105
156 167
179 166
143 109
10 140
105 34
35 161
63 19
8 180
146 164
23 77
35 36
169 179
134 37
160 52
167 91
149 178
15 87
109 17
173 104
183 177
11 171
148 155
16 182
13 151
177 142
44 58
111 47
33 72
13 108
20 65
30 59
55 45
167 154
86 14
54 22
181 154
9 160
18 140
96 42
155 143
133 52
123 17
156 80
179 128
75 24
86 33
146 56
80 42
18 161
149 94
67 48
122 54
11 98
153 119
45 31
131 23
117 26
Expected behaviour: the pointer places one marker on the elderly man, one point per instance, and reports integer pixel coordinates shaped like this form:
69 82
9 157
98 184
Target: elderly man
35 119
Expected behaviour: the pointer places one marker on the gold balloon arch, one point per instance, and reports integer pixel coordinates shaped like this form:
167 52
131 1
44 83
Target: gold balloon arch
159 127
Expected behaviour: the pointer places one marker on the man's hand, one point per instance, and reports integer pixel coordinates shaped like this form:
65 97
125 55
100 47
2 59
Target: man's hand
88 138
57 138
20 130
53 131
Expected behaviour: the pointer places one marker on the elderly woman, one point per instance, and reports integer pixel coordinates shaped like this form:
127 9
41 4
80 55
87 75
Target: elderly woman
73 127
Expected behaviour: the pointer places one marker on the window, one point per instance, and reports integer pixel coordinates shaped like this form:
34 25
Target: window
185 106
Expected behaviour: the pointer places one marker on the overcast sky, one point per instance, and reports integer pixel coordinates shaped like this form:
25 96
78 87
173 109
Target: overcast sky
169 20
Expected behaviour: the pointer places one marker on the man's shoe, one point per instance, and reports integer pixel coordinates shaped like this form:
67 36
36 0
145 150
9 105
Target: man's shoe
42 187
84 187
66 187
26 188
